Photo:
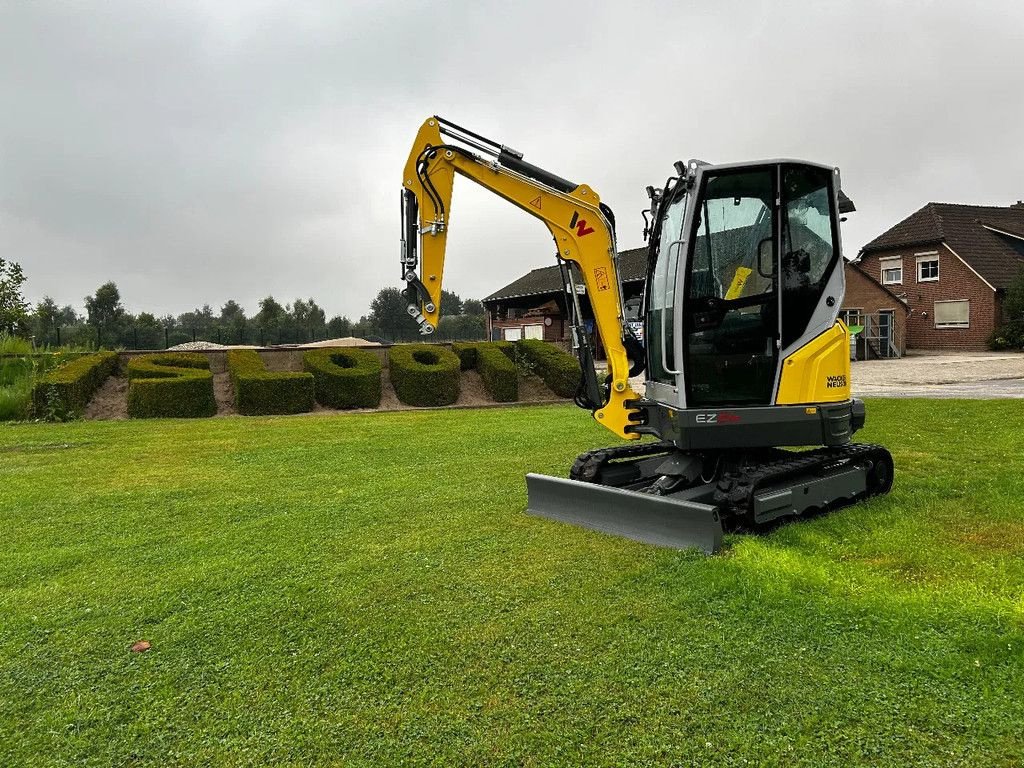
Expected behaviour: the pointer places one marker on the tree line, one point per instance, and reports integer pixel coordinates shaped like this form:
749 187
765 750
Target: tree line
106 322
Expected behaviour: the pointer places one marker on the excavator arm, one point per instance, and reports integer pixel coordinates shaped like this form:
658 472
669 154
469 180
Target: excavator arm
579 224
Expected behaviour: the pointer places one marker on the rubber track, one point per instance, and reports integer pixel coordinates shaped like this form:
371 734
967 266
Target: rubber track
587 467
736 488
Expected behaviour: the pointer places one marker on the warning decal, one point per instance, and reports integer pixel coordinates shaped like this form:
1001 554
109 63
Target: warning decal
536 202
601 278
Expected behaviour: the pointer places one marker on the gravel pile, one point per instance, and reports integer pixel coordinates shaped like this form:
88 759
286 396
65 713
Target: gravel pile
195 346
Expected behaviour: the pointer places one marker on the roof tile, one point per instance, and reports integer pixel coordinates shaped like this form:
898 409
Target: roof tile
965 229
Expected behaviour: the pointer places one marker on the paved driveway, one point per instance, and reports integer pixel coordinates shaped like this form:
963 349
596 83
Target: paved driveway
976 375
972 375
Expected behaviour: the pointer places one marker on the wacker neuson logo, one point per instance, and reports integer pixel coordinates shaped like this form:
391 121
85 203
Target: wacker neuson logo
835 382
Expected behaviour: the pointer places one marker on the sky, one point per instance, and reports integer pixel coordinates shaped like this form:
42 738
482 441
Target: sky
198 151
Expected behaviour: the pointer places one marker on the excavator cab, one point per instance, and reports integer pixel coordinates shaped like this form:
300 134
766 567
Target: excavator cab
745 277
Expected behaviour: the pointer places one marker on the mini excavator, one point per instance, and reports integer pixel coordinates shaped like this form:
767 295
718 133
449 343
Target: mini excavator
746 366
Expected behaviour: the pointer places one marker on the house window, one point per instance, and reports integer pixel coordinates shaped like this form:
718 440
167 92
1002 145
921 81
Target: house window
852 317
927 267
892 271
953 314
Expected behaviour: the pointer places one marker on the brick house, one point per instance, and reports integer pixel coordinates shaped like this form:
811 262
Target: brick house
878 311
535 305
949 265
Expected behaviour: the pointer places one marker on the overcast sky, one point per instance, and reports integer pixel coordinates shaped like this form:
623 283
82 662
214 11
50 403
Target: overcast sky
199 151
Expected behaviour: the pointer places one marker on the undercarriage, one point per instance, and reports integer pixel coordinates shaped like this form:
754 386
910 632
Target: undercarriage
664 496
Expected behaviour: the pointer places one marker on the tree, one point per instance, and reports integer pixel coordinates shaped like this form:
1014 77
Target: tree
451 304
1013 304
270 313
231 312
199 321
232 321
104 307
149 333
389 318
68 316
44 319
473 307
1010 335
339 327
307 318
13 307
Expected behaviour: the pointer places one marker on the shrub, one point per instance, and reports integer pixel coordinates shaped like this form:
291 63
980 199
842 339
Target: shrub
424 374
1008 336
499 373
344 378
172 384
466 352
259 391
559 370
67 389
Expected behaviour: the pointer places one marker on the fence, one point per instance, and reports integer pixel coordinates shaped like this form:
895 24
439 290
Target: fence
88 336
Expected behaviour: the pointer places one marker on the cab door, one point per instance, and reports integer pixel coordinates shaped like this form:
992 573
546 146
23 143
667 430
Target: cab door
661 318
730 322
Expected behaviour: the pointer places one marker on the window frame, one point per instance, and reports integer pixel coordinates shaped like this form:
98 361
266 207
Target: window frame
927 258
882 270
951 326
844 315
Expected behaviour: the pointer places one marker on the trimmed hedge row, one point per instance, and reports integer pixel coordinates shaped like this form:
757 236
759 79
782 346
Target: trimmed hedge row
172 384
559 370
498 371
70 387
344 378
261 392
425 375
466 351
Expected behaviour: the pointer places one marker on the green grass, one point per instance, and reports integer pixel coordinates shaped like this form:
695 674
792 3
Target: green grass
366 590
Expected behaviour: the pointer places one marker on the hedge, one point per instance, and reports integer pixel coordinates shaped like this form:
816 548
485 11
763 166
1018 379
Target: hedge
499 373
172 384
466 351
260 392
70 387
559 370
344 378
425 375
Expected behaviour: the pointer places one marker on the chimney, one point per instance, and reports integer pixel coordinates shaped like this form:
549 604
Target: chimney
1018 204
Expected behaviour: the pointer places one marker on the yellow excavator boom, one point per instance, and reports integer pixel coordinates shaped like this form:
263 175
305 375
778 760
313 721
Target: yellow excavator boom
583 235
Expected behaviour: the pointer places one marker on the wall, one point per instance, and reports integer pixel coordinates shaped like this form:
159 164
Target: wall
956 281
869 297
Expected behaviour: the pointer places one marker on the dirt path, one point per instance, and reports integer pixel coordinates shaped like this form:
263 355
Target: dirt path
110 400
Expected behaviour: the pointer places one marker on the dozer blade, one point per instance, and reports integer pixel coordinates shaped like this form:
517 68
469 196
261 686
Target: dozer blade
658 520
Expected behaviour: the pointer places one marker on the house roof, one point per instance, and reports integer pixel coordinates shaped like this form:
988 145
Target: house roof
968 230
547 280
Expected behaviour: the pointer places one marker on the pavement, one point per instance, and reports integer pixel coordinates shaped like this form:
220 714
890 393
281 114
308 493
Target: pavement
969 375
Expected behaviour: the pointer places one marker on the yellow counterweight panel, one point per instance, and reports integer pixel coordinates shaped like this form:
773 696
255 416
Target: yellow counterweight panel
818 372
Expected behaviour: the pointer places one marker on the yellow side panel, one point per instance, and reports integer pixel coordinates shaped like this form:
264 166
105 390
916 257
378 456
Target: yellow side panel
818 372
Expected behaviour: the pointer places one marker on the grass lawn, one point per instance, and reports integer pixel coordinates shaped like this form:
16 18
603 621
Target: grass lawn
366 590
